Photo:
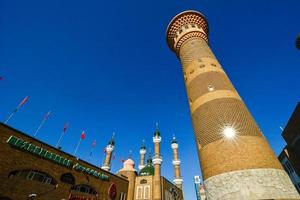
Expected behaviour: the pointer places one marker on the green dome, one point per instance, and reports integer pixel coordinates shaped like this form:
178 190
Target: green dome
148 170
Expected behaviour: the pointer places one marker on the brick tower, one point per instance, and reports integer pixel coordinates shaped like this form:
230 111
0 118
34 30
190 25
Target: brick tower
176 163
237 161
157 160
108 151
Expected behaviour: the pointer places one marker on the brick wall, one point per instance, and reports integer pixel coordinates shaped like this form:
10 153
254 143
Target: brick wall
18 188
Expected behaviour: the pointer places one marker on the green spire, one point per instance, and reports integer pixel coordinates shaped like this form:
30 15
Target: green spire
143 146
112 140
174 139
149 160
157 133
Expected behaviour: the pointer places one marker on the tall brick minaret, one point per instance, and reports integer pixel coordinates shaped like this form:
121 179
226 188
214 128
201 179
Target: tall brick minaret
157 160
237 161
142 156
108 151
176 163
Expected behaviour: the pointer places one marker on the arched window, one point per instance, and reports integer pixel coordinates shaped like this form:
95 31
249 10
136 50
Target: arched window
34 175
68 178
84 189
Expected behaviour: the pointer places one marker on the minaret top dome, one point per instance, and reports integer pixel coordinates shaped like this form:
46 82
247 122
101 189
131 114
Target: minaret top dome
112 140
157 132
143 146
189 20
174 141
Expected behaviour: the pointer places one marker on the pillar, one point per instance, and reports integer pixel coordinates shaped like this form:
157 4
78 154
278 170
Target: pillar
108 154
176 163
157 161
142 156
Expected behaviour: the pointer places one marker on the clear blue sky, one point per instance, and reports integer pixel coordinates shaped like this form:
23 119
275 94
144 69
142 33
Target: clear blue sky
105 66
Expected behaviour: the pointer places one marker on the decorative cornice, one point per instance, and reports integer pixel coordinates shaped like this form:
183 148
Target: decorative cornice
187 35
181 27
109 148
174 145
157 139
157 160
176 162
178 181
143 151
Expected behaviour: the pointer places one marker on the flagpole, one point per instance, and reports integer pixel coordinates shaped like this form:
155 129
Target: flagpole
60 137
10 116
40 126
77 147
91 152
66 126
17 108
92 149
82 136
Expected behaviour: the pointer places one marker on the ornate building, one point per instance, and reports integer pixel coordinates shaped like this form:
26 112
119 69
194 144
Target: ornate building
148 184
32 169
237 161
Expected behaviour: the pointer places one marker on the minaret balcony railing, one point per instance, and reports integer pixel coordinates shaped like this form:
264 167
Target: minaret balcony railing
157 160
178 180
157 139
109 148
176 162
174 146
143 151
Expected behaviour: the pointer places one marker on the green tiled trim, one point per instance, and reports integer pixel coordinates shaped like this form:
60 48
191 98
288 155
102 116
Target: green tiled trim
26 146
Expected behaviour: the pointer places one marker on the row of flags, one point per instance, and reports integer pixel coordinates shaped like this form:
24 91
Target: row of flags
64 130
45 118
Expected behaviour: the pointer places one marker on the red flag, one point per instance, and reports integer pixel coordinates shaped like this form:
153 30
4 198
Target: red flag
66 126
47 115
23 102
82 136
94 144
122 160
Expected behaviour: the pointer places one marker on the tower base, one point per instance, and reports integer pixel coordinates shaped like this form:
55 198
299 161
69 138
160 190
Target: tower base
251 184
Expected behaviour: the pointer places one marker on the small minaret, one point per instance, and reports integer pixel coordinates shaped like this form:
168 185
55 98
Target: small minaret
176 163
157 160
142 155
109 150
